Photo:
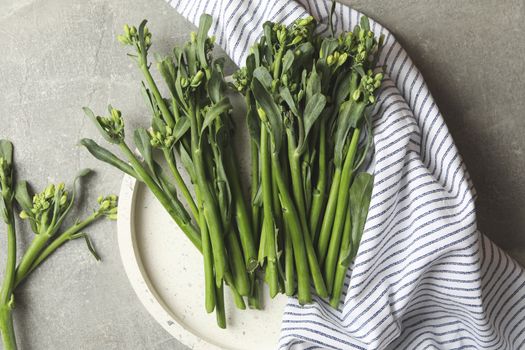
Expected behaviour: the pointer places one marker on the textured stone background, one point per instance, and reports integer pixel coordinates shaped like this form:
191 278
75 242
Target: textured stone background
59 55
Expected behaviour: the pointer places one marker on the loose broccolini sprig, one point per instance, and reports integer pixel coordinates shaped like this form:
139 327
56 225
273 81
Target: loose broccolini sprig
46 212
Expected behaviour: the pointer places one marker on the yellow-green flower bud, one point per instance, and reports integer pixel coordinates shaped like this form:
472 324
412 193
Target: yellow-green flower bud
371 99
133 30
356 95
105 205
49 192
147 41
127 30
23 215
197 79
123 40
342 59
305 21
330 60
296 40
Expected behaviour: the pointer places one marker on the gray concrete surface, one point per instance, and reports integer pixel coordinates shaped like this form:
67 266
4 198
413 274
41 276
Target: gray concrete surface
58 55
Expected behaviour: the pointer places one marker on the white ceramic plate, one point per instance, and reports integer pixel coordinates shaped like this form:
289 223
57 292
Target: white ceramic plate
166 272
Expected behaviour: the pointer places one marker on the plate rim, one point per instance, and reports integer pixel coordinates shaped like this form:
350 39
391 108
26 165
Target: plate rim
137 277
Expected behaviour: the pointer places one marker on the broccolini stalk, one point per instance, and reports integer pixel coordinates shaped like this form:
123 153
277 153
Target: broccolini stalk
362 97
360 196
310 93
46 212
194 126
351 101
7 213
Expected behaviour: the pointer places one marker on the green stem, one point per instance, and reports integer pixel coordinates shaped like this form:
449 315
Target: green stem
6 327
291 216
168 118
209 280
237 266
295 169
220 311
35 255
186 226
342 207
209 204
254 188
342 266
319 193
180 182
254 300
243 220
289 265
328 219
8 285
277 63
268 216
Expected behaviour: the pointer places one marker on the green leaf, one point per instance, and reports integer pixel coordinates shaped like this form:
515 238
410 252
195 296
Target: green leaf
359 69
181 127
143 144
22 196
268 105
216 86
264 77
312 111
6 151
268 30
365 23
341 132
89 113
251 64
342 88
288 59
204 26
142 39
187 162
89 243
313 84
150 100
191 59
215 111
328 46
357 113
368 144
252 120
360 197
167 71
59 219
287 97
108 157
305 53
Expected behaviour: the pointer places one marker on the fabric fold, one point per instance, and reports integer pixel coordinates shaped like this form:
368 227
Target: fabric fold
424 277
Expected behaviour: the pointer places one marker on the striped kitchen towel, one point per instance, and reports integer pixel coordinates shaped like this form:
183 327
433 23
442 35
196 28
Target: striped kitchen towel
424 277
